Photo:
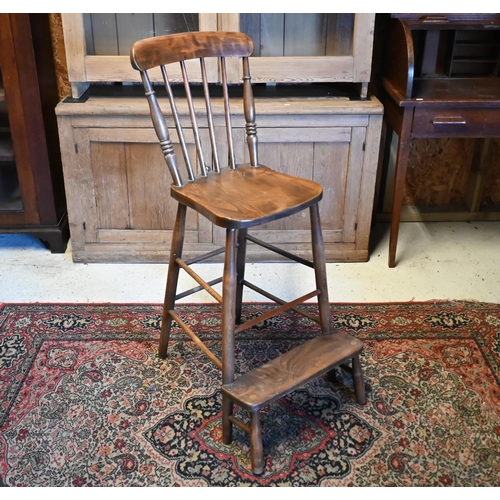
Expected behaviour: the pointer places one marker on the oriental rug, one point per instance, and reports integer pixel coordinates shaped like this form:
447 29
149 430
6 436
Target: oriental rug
85 401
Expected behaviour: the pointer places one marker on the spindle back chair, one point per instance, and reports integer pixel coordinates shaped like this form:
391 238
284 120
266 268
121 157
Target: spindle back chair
235 197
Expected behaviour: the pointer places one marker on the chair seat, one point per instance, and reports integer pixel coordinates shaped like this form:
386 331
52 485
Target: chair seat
247 196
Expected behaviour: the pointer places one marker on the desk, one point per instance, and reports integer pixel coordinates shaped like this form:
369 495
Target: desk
428 91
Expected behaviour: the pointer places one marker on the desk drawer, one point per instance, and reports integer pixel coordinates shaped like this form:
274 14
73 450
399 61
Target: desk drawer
460 122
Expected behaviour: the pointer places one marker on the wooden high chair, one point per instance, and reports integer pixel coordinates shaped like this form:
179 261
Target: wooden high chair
238 197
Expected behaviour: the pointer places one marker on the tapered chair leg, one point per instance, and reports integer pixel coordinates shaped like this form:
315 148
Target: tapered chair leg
228 327
256 447
240 271
172 278
320 269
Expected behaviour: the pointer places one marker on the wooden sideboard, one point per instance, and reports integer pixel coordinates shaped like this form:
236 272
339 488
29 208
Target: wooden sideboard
117 184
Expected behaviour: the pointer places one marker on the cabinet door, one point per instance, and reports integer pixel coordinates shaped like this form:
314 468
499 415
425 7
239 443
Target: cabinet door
21 123
98 45
306 47
119 195
331 156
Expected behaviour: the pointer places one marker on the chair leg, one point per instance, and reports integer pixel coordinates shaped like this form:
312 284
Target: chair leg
240 271
172 278
256 447
359 384
228 327
320 269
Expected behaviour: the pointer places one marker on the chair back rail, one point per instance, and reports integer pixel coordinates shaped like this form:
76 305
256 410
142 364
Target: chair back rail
167 49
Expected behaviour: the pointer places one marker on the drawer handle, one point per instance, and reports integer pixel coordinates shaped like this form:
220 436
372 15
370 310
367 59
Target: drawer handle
449 120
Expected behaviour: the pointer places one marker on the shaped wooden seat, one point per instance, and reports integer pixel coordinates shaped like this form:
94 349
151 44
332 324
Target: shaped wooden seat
248 196
235 196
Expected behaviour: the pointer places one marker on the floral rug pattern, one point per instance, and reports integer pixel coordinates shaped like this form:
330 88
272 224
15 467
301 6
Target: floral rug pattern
84 400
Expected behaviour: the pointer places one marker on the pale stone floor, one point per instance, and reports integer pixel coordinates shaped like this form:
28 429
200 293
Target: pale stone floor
441 260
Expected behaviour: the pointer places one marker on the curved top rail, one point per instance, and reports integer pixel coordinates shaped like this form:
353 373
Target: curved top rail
166 49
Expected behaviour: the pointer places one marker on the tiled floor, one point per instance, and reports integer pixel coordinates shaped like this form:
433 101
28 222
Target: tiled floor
456 260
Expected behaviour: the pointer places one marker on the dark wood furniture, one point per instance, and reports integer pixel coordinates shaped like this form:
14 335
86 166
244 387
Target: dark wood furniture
236 198
440 77
32 196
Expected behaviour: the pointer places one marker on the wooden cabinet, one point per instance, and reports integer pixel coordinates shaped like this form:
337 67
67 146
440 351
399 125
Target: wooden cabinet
288 47
118 186
31 185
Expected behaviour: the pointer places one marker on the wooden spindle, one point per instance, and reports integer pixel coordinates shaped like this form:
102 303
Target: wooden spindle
249 109
194 123
161 129
178 125
211 129
227 114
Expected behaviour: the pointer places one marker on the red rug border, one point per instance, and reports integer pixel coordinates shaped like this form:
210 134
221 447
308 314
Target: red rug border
160 304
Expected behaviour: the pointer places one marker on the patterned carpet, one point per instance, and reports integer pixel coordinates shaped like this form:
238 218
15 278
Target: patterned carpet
84 401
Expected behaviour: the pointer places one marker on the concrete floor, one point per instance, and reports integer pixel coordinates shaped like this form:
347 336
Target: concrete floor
456 260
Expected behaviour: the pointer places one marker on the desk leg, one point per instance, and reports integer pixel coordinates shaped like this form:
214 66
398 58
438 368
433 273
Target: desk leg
399 183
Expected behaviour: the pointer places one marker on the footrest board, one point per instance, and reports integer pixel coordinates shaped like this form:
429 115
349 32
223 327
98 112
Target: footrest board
282 375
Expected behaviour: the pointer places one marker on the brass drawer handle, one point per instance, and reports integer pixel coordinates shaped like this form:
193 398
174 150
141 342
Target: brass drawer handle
449 120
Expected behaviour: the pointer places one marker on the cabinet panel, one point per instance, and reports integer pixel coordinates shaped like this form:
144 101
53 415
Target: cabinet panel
285 35
326 162
306 47
114 34
98 45
120 195
10 188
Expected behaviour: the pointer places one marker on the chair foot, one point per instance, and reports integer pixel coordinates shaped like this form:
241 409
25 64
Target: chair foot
166 326
256 447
